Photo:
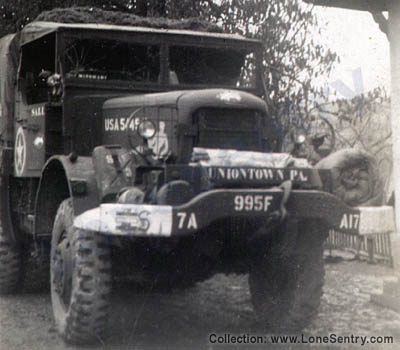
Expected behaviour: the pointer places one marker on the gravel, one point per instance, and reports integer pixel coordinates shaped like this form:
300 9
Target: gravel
184 319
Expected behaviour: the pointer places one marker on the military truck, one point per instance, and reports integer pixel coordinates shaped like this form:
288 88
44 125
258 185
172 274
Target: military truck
149 154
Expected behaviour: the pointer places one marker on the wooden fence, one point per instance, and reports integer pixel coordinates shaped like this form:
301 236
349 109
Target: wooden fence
375 248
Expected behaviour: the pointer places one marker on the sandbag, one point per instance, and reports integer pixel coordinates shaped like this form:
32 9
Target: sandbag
355 177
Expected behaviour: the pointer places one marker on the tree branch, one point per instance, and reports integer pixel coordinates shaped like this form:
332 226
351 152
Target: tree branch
382 22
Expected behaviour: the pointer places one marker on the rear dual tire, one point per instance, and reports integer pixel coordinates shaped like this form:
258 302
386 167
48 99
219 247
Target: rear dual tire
10 265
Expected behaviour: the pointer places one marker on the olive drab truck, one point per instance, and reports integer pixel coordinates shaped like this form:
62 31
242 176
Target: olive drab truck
149 153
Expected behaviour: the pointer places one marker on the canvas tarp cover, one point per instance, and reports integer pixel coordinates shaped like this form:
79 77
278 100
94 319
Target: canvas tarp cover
36 30
8 69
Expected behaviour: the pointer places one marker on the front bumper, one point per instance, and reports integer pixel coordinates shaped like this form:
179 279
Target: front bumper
165 220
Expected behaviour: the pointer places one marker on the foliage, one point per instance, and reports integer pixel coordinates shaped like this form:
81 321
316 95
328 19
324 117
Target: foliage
96 15
292 56
17 13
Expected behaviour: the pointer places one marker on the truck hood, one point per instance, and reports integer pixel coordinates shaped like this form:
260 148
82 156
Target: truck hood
189 100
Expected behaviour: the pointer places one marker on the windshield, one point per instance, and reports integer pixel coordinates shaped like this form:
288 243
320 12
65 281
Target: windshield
160 62
213 66
101 59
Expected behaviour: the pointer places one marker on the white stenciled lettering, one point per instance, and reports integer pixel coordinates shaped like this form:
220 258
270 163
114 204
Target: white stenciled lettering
182 217
344 223
192 221
303 177
293 174
239 203
37 111
92 76
251 173
108 124
252 202
257 174
350 222
267 202
268 173
233 174
187 221
121 124
243 173
297 175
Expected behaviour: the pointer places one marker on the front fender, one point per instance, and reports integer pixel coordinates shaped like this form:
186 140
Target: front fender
115 168
63 177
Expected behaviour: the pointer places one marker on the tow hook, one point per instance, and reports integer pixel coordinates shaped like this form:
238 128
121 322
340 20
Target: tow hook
282 213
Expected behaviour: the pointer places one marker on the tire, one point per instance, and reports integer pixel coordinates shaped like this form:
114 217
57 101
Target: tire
10 265
356 177
80 278
286 288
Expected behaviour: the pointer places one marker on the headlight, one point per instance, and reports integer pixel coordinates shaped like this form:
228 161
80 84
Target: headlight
146 129
301 138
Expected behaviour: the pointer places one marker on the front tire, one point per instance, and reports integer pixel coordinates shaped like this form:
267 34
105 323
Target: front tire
80 279
286 289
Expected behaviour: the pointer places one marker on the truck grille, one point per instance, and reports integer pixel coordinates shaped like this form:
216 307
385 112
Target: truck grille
229 129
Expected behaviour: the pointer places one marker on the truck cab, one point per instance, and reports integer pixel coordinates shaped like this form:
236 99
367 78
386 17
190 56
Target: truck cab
68 71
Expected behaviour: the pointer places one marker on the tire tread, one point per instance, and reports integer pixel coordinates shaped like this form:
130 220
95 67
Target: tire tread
87 315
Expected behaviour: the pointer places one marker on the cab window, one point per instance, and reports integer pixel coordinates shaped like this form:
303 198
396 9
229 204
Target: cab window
37 64
104 60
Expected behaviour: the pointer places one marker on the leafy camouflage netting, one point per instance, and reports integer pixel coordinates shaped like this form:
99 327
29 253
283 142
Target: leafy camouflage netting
356 178
99 16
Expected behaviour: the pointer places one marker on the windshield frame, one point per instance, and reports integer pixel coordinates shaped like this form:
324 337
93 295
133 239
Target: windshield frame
164 40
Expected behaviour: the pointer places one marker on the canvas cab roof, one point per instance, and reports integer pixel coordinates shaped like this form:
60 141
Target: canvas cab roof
36 30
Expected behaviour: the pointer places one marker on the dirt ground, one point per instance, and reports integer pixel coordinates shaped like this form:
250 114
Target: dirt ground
185 319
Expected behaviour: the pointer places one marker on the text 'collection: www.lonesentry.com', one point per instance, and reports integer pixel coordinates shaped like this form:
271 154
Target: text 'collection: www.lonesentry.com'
248 339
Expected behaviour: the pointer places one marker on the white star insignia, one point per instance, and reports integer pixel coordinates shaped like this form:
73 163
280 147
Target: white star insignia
20 152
